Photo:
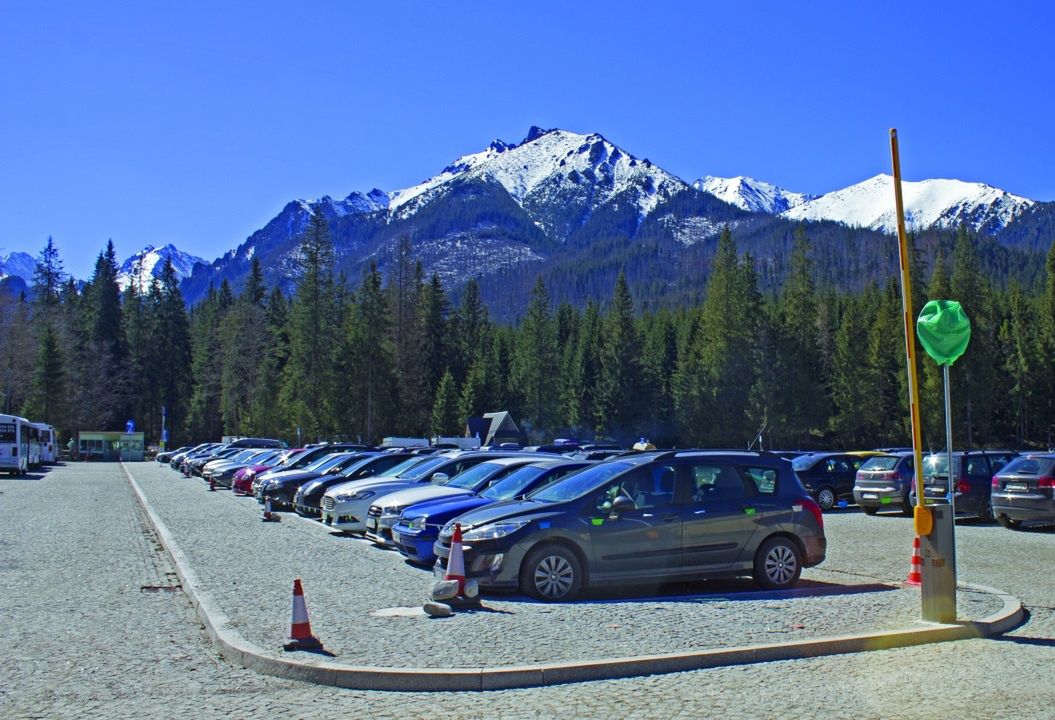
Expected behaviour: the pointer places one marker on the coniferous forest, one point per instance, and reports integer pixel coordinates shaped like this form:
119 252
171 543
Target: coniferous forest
796 365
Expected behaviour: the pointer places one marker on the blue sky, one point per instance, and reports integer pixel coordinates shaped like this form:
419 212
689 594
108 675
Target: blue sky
194 123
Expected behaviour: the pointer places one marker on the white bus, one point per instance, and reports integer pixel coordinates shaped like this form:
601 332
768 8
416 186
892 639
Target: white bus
49 450
14 444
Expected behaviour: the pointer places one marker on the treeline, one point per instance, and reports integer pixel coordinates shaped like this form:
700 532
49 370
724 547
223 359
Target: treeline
794 367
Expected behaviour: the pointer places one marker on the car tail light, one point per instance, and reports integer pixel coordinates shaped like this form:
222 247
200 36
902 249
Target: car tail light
996 481
963 487
814 508
860 476
1046 481
890 476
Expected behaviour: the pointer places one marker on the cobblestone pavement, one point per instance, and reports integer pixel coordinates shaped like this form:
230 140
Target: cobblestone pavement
96 627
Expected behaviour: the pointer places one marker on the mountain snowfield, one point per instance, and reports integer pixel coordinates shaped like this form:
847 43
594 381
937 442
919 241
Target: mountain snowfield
148 263
928 203
547 165
752 195
18 264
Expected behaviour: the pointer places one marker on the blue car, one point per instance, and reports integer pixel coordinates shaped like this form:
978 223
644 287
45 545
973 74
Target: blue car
419 525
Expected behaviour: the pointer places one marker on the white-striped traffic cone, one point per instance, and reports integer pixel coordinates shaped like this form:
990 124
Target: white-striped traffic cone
456 561
915 570
268 515
300 628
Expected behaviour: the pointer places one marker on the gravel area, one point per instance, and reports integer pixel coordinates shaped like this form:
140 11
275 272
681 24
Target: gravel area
352 587
95 628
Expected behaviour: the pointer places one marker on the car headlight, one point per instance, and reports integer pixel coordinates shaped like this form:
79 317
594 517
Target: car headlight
493 531
417 523
361 495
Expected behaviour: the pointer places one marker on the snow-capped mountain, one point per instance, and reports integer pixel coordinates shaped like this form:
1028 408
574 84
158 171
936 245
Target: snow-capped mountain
148 263
751 195
551 167
928 203
18 264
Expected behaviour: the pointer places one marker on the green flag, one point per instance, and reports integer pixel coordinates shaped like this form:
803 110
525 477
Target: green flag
944 330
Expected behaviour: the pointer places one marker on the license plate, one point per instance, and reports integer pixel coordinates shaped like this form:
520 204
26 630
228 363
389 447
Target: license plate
371 524
1015 486
869 496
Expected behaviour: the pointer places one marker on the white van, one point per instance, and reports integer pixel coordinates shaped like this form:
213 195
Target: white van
14 444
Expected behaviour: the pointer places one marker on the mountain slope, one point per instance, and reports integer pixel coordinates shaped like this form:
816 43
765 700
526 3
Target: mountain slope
147 264
928 203
751 195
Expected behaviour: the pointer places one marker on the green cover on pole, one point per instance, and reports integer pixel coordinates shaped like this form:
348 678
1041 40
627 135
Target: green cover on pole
944 330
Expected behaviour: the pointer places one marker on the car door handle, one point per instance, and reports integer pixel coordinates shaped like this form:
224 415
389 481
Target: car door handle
671 517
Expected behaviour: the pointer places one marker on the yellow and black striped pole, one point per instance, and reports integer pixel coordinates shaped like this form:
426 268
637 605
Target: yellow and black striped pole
923 520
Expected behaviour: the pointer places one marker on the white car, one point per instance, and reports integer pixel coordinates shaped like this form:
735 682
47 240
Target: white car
344 506
383 514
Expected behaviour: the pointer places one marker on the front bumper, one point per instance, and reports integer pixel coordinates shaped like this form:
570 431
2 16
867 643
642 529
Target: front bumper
343 518
416 545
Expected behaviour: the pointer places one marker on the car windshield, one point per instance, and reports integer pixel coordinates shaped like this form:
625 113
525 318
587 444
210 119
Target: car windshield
939 465
580 483
421 470
475 475
319 464
514 483
392 471
330 461
803 462
880 463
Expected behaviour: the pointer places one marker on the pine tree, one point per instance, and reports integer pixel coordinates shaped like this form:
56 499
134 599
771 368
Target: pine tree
445 416
535 363
308 384
621 383
48 277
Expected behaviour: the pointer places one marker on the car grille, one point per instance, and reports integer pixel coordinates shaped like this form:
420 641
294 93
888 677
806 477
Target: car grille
328 503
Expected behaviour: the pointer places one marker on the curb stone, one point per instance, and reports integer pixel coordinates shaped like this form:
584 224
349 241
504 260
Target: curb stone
239 651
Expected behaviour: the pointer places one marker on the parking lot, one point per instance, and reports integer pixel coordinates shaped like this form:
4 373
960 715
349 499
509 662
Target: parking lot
101 627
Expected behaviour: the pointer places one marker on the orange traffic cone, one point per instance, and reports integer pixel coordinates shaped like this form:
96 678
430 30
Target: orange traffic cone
268 515
915 571
300 629
456 561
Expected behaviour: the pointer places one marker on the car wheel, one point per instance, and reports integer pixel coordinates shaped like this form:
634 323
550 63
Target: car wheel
826 498
907 508
551 573
869 509
1008 522
778 564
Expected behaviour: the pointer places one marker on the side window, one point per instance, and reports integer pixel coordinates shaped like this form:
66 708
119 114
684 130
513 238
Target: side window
764 479
647 487
716 482
977 466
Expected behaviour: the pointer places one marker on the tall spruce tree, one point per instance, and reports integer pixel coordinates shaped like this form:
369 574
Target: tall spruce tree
535 363
621 382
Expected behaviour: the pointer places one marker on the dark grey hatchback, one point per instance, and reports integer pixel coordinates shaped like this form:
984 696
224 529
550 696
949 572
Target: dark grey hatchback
647 517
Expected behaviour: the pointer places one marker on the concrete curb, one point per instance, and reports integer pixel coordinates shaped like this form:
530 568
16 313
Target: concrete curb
237 650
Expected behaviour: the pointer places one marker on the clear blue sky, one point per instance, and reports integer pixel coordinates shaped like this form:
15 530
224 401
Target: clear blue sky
195 122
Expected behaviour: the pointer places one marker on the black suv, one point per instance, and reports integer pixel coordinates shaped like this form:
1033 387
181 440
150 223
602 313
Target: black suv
973 470
649 516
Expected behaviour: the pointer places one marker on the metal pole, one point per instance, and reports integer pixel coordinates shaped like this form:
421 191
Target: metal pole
948 438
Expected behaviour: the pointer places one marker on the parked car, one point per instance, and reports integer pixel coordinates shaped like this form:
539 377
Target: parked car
164 457
224 473
647 517
282 488
303 459
308 500
1024 490
419 525
345 506
385 511
973 471
828 476
884 482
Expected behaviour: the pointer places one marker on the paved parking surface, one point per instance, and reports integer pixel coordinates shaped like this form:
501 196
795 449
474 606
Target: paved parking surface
96 628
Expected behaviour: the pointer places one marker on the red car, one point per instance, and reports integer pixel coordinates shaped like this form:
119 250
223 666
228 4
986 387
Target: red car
242 483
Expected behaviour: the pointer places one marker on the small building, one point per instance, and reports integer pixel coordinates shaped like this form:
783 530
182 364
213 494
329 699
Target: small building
110 446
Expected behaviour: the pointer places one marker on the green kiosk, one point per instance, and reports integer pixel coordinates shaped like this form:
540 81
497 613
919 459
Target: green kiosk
110 446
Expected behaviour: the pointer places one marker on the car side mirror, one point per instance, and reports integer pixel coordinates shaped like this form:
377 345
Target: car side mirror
440 478
620 505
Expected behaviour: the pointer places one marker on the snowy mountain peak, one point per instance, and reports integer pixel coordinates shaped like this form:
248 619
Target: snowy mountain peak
149 262
545 165
928 203
18 264
750 194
